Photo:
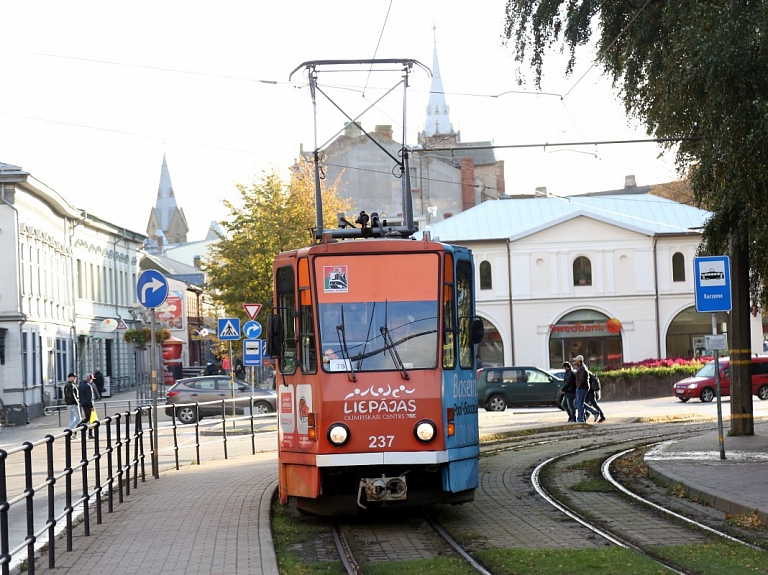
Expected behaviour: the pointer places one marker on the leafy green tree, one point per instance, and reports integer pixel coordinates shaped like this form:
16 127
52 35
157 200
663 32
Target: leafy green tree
693 71
270 217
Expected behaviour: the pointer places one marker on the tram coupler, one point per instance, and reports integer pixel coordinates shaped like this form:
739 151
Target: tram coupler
382 489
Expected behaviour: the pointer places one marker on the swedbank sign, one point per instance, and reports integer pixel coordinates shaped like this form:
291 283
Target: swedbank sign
611 326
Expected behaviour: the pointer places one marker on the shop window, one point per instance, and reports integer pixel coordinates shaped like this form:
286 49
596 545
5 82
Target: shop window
582 271
486 280
678 267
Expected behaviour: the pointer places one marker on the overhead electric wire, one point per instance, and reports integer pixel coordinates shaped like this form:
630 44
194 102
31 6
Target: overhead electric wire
378 43
141 66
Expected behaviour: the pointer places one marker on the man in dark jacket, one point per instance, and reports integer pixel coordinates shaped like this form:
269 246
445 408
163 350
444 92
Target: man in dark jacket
86 402
582 388
71 400
569 392
98 382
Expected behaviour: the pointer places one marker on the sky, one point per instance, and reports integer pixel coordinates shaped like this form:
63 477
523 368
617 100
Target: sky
95 93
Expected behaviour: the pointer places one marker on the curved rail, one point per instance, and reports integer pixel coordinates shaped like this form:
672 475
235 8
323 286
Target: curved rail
605 470
612 536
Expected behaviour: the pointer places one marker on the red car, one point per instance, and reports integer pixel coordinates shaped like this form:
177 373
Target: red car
702 385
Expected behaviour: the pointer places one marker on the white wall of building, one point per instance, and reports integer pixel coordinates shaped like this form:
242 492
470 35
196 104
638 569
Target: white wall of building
632 280
65 272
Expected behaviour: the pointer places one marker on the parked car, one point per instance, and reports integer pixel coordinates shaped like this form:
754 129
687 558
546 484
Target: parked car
499 387
558 373
702 385
212 388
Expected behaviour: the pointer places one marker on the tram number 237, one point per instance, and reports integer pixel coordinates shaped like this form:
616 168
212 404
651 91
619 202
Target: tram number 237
380 441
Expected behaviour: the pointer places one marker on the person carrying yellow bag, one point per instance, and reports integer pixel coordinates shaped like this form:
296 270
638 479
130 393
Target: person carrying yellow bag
86 403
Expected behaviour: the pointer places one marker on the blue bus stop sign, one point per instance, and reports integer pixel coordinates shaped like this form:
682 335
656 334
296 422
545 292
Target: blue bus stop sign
151 288
252 352
712 283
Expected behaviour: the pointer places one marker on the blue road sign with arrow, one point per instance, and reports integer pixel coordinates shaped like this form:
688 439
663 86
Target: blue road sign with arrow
252 330
151 288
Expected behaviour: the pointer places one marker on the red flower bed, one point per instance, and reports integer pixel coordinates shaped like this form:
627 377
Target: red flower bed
666 362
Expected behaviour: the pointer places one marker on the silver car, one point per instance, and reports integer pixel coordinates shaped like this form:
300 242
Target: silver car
214 388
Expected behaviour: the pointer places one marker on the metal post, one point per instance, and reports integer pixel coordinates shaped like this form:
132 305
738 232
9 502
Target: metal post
153 370
232 383
717 390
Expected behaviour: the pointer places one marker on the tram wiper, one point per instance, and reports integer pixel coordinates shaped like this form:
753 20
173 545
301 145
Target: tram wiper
390 346
341 334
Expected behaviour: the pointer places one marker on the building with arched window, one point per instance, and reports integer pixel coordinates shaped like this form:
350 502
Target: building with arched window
602 275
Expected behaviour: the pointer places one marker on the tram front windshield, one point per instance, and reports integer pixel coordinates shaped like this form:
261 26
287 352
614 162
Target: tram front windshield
379 336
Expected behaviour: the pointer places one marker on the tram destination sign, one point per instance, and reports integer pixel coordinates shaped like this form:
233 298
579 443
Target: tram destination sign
712 283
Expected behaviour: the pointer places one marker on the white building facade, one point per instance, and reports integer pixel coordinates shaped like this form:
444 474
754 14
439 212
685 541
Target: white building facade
68 284
608 276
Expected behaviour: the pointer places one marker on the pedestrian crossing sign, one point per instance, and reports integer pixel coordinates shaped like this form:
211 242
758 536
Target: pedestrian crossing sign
229 328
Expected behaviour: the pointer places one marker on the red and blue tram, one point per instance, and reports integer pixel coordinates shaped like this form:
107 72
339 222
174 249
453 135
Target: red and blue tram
377 400
374 336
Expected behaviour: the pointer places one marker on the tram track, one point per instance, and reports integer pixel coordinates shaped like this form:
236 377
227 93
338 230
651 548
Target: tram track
618 518
509 514
396 541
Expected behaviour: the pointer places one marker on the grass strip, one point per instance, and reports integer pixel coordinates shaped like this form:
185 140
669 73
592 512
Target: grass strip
613 560
290 535
716 558
435 566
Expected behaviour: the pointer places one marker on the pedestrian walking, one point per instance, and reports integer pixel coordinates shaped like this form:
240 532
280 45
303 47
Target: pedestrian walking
593 395
86 402
568 390
71 400
582 388
98 382
239 369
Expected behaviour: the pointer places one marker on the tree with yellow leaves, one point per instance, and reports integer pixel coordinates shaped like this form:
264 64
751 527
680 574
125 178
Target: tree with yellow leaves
271 217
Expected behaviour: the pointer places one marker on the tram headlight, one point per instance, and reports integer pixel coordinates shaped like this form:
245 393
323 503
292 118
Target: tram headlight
338 434
425 431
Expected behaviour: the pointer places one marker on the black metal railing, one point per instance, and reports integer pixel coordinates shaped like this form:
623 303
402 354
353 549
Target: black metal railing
110 463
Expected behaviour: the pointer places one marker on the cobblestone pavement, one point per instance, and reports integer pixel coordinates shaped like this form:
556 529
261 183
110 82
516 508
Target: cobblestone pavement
619 514
220 524
508 513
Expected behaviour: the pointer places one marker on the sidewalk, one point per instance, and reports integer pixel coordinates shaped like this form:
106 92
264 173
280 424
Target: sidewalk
171 526
57 421
736 485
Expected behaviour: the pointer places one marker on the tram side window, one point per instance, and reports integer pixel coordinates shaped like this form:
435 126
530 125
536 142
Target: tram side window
449 317
464 299
286 305
306 321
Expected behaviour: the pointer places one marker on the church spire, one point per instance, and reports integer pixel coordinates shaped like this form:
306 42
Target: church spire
166 217
165 205
438 122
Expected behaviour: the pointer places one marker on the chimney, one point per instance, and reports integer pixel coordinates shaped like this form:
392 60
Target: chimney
196 262
385 131
351 130
541 191
629 182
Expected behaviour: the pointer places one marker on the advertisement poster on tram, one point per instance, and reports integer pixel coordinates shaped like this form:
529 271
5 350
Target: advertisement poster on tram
287 417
